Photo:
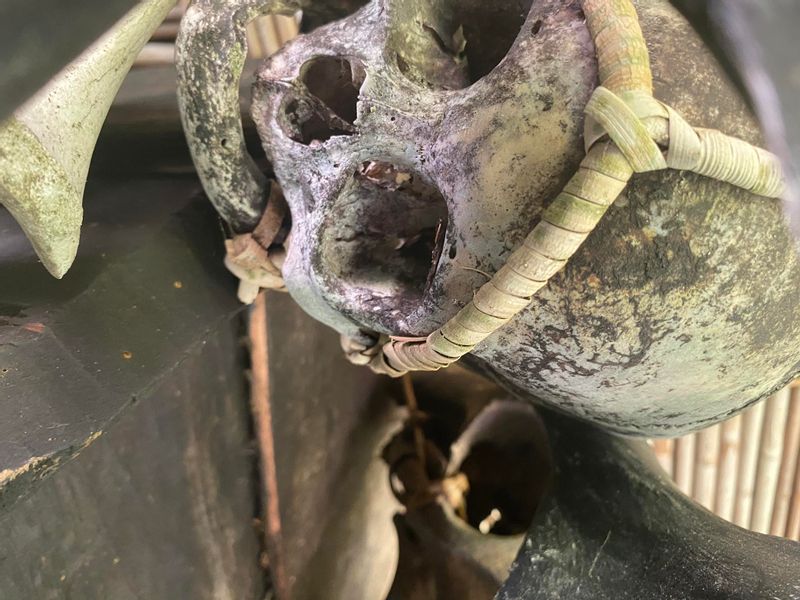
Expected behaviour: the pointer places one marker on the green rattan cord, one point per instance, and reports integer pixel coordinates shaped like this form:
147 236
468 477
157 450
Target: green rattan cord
627 131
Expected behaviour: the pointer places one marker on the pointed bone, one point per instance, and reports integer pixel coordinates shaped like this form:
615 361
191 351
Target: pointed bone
46 147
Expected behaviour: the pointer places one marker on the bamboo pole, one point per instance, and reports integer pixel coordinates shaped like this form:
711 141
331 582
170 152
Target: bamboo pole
255 48
706 463
287 27
177 12
752 422
166 32
664 450
268 29
684 463
156 54
769 460
725 502
789 460
793 522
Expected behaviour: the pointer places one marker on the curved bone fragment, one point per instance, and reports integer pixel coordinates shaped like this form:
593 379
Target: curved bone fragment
210 56
46 147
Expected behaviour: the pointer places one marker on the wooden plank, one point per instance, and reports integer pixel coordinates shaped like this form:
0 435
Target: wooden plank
147 283
331 421
159 507
38 39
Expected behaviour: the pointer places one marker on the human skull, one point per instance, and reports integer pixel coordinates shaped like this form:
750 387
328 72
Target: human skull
417 142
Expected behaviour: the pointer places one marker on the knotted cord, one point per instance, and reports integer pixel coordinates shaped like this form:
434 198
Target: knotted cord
252 256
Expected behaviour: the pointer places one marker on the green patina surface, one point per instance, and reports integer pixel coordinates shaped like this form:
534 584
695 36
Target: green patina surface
37 191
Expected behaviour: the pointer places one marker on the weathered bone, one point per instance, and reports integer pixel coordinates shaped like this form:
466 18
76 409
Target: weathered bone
417 146
46 147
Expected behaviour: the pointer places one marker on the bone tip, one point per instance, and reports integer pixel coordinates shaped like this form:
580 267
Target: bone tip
57 258
57 268
248 292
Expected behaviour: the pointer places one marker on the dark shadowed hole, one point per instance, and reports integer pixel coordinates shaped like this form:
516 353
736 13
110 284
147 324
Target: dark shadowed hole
385 232
459 42
508 467
490 29
494 472
327 101
331 79
502 494
316 14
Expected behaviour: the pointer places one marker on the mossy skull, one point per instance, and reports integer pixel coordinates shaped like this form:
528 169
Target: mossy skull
417 142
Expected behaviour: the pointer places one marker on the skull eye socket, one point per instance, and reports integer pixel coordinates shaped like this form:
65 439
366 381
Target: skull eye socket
455 43
326 104
385 233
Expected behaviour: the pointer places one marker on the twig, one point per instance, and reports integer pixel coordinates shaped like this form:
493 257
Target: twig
262 416
413 409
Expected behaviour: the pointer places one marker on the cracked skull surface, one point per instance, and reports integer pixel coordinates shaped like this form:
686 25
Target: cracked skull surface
418 141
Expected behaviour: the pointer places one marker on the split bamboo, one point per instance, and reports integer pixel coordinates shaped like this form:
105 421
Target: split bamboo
684 463
706 466
789 459
769 460
793 523
664 450
725 502
748 463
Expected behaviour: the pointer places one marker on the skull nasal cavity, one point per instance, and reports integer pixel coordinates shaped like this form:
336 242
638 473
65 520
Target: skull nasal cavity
457 42
385 234
326 101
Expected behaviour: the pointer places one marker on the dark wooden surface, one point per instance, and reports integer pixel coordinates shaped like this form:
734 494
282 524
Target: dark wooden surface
160 507
331 421
38 38
127 466
148 287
